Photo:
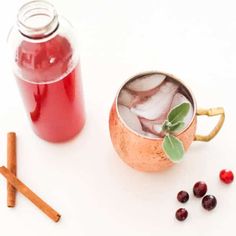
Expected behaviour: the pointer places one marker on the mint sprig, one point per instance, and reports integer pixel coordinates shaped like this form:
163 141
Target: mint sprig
172 146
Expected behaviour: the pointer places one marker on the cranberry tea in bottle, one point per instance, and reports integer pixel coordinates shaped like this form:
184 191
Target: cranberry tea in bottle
46 66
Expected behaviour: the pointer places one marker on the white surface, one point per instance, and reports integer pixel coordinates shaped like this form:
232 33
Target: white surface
96 193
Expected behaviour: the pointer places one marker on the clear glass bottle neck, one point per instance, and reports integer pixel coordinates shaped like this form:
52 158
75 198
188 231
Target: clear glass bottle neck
37 19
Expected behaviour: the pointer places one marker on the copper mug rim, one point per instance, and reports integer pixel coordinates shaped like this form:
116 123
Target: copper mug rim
151 73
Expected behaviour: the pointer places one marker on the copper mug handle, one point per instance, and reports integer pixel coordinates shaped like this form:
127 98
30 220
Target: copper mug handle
211 112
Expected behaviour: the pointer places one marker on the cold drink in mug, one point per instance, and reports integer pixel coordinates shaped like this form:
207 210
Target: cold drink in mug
145 102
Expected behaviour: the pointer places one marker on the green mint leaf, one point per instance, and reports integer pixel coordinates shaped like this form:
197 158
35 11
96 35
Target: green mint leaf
178 113
176 127
165 126
173 148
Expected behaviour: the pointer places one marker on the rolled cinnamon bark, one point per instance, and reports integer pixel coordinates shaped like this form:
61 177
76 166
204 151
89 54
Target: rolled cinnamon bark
11 165
22 188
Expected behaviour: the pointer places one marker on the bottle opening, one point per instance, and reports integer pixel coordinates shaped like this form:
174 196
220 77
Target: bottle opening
37 19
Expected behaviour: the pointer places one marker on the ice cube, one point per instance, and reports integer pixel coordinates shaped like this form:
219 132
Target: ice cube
146 83
157 128
146 124
179 99
150 135
130 118
125 98
189 116
151 126
158 104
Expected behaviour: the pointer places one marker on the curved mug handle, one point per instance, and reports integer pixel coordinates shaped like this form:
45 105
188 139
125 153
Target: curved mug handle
211 112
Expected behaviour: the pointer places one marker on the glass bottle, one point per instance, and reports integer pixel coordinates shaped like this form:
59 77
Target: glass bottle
46 66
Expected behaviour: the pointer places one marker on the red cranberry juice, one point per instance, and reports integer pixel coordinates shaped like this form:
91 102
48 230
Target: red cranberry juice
51 89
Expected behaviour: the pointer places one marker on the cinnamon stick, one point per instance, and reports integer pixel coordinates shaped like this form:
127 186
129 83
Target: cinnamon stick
22 188
11 165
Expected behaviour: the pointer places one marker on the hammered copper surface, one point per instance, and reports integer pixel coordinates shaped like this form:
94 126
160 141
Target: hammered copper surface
139 152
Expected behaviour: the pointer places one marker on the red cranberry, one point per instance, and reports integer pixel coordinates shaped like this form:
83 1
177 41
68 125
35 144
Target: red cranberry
183 196
181 214
209 202
227 176
199 189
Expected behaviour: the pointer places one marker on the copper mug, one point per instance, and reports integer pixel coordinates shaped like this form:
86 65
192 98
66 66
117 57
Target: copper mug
146 154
